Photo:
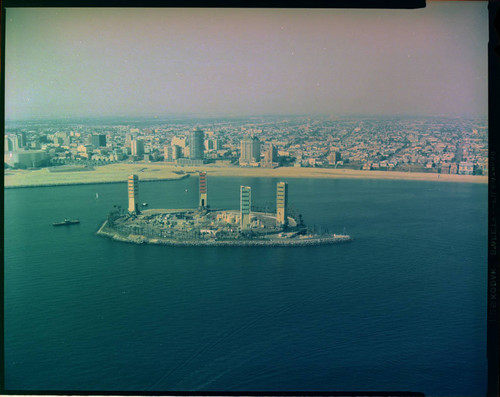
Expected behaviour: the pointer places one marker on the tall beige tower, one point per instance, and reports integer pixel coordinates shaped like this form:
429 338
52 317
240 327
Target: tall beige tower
137 147
245 206
133 193
203 190
281 203
250 150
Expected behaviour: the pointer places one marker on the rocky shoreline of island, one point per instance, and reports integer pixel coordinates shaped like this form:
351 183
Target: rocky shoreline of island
105 231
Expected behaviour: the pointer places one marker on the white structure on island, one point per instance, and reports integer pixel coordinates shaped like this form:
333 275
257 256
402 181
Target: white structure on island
203 190
281 203
133 194
245 207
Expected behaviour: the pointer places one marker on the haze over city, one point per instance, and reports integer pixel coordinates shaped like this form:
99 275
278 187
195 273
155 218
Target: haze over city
177 183
238 62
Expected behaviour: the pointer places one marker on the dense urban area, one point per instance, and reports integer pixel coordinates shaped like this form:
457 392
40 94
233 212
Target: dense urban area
438 145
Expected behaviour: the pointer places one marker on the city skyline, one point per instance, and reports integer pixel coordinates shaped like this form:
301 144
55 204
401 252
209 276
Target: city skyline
64 63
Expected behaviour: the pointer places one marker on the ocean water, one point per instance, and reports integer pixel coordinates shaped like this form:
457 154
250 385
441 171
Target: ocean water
402 307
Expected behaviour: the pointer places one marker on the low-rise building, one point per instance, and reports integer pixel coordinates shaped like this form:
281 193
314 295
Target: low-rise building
26 158
466 168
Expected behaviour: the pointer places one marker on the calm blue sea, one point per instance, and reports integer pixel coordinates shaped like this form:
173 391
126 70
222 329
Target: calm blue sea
402 307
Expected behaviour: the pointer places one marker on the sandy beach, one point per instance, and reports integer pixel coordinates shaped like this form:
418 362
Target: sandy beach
111 173
114 173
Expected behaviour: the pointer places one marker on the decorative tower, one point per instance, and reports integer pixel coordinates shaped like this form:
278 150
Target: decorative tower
245 206
203 190
281 203
133 194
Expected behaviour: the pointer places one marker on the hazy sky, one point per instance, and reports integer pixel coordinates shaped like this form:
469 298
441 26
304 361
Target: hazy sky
144 62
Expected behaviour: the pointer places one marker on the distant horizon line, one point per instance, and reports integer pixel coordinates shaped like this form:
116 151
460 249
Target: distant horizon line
193 116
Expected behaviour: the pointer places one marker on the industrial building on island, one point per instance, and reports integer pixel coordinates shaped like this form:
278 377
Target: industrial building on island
209 226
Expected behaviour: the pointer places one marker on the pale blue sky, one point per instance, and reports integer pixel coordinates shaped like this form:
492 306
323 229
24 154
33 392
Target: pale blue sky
157 62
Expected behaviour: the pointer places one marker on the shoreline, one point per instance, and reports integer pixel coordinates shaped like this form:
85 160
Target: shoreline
150 172
141 239
90 183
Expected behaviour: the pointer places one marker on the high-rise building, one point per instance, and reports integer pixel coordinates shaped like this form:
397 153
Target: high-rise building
26 159
245 206
98 140
196 144
245 150
203 190
133 194
21 139
176 152
255 149
270 155
137 147
16 142
62 138
172 152
181 142
250 150
9 147
212 144
334 157
281 203
128 138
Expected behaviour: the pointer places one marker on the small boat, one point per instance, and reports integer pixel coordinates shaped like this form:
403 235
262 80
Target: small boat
96 196
66 222
144 204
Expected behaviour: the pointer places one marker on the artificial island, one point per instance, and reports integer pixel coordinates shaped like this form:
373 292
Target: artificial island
204 226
